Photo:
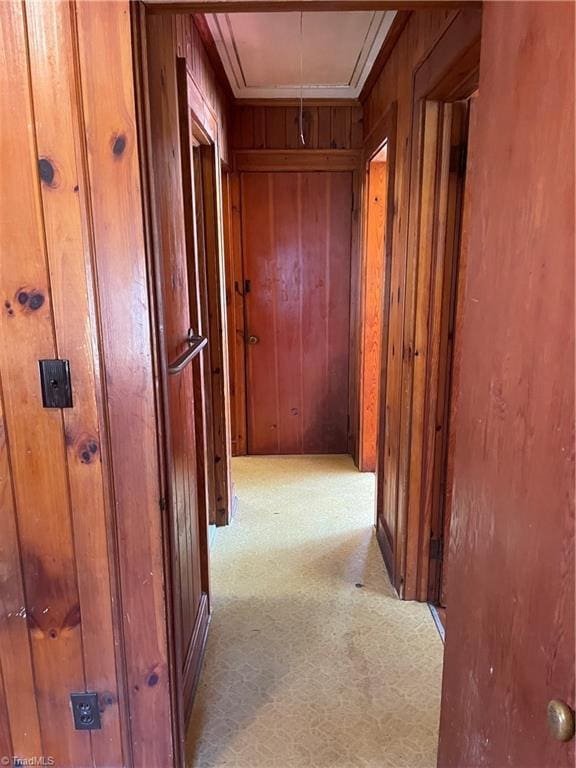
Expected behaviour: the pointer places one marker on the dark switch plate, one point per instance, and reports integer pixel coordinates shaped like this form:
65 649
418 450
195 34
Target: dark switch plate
86 712
56 384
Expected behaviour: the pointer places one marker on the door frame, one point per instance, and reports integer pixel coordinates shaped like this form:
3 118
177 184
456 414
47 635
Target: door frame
274 161
448 74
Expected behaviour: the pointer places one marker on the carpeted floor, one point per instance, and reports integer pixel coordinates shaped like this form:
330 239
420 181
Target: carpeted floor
311 660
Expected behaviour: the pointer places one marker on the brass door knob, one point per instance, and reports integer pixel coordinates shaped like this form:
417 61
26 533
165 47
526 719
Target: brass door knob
560 720
253 339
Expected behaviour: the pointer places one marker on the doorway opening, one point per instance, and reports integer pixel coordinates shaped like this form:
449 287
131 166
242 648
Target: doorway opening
448 278
372 304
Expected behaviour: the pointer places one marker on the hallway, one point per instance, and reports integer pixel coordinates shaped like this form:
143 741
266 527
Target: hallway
311 661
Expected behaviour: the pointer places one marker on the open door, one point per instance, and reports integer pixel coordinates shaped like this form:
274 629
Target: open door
508 687
181 307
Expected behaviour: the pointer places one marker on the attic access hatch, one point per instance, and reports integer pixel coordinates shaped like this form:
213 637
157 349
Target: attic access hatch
260 52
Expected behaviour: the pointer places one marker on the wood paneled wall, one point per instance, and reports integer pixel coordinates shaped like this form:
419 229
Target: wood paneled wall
265 137
81 569
269 126
394 86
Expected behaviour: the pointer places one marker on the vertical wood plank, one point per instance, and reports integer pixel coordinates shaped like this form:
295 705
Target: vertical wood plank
124 310
275 128
40 487
257 248
235 308
311 127
287 282
244 127
293 128
259 128
5 737
15 651
53 82
357 128
324 128
341 121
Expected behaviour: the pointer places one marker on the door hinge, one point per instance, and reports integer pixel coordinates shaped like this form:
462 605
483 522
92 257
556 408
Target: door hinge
436 549
163 504
458 156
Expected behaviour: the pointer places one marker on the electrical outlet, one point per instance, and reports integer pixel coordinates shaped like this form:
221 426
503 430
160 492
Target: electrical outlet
86 711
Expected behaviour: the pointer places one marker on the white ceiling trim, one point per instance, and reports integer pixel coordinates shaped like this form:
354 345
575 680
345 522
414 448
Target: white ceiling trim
235 57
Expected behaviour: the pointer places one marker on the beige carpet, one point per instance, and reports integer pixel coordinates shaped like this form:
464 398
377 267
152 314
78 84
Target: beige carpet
311 660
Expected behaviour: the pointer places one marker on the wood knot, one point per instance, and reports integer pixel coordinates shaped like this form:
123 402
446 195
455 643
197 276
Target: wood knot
86 448
29 299
118 144
47 172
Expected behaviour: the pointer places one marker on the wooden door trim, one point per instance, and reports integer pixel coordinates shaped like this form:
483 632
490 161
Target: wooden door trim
448 73
205 130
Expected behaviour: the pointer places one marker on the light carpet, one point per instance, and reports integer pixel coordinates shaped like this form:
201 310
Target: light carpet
311 661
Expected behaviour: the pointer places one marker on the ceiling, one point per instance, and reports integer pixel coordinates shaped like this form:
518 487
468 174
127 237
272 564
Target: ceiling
261 52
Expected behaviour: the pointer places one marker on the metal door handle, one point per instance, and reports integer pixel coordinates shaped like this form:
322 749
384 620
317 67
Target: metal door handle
253 339
196 344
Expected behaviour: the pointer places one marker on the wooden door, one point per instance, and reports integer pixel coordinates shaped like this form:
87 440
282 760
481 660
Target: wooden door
510 629
180 308
187 489
296 231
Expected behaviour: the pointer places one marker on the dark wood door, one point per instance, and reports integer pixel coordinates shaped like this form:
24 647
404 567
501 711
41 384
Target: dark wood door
296 247
182 346
510 625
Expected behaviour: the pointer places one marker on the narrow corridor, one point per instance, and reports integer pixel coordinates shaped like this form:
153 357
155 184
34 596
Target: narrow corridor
311 660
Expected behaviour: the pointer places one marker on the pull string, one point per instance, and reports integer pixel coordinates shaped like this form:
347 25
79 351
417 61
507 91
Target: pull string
301 116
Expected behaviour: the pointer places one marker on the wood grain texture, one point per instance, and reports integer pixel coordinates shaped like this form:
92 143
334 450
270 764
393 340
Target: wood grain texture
395 85
373 306
296 160
212 104
449 68
204 324
126 346
69 258
235 307
416 45
296 249
51 609
457 319
271 6
210 179
269 126
510 635
21 718
176 281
